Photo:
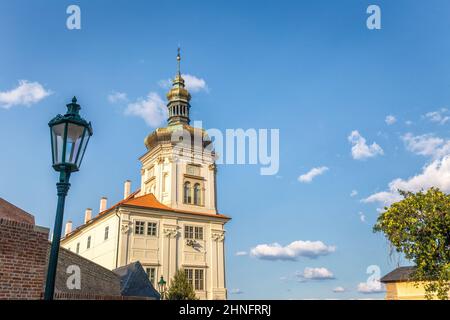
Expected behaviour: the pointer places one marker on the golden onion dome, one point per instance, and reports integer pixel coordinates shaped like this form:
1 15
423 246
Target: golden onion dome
178 91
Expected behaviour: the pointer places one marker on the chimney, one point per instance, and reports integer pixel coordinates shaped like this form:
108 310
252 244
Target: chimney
127 189
68 228
87 215
103 202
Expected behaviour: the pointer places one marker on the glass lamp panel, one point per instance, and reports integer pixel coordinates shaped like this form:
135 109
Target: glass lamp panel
74 136
58 142
83 145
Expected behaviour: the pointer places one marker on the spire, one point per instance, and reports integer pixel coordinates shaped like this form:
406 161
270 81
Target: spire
179 61
178 98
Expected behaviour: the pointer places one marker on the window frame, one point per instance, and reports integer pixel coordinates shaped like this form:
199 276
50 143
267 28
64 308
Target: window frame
153 268
198 233
106 234
196 278
139 225
197 198
189 234
187 192
155 229
88 244
193 232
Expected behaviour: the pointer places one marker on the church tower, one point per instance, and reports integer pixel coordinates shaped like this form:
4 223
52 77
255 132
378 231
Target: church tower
171 221
179 166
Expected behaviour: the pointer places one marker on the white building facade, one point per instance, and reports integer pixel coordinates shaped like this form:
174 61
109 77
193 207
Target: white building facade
171 221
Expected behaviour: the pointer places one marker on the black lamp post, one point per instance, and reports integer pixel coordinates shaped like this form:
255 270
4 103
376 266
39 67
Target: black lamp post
69 137
162 287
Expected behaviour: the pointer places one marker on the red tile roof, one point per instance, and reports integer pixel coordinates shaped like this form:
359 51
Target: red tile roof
148 201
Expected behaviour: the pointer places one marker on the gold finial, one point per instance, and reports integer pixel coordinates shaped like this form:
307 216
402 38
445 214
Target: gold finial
178 60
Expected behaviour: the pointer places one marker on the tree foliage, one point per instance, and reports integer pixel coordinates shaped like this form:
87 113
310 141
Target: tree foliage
419 227
180 288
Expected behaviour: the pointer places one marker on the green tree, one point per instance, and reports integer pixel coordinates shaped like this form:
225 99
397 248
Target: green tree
419 227
180 288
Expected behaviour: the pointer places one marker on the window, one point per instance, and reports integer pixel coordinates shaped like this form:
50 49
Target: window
198 283
190 276
151 229
195 278
191 232
88 243
198 233
153 188
139 227
150 172
197 194
151 272
106 233
193 170
187 192
78 248
165 182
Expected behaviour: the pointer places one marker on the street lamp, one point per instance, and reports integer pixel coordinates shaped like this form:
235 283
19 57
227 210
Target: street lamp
69 138
162 287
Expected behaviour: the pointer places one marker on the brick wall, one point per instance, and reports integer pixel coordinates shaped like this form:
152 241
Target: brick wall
23 250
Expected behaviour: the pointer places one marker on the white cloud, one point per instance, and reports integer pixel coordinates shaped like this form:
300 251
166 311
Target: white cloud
27 93
338 290
311 174
427 145
390 120
237 291
354 193
315 274
362 217
440 116
116 97
294 250
435 174
241 253
152 109
193 83
374 286
360 149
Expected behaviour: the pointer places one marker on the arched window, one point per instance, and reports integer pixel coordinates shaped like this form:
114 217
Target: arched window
197 192
151 188
187 192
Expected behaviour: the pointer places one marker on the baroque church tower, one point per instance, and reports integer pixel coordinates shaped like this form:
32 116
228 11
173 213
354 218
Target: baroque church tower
171 221
179 167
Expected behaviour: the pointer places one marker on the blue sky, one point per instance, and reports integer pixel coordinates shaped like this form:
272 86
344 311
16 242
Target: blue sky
309 68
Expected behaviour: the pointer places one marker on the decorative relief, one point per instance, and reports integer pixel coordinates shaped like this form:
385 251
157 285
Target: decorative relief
218 236
125 226
213 167
170 232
